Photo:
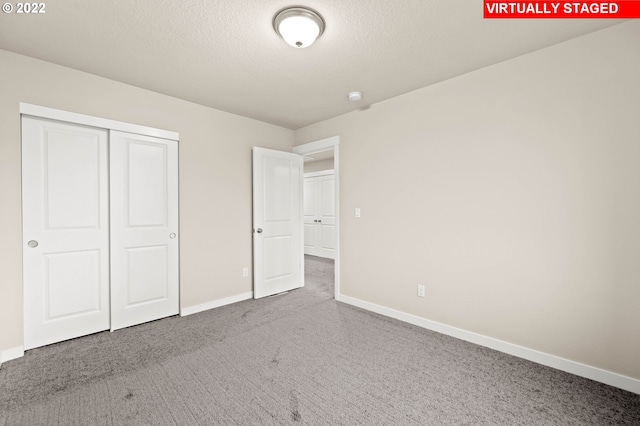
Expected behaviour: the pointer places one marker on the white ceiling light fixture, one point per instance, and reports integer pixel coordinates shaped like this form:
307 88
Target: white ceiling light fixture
298 26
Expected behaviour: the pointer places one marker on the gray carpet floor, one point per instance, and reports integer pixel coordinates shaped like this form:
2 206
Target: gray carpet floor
298 358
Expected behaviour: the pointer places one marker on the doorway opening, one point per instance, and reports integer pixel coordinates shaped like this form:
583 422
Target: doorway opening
321 249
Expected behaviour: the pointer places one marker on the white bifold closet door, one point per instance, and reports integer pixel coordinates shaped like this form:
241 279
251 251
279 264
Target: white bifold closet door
320 215
100 223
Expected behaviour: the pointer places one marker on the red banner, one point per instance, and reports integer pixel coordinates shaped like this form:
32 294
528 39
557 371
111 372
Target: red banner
623 9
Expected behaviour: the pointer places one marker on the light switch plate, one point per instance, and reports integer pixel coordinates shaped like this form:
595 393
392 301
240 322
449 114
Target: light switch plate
357 211
421 291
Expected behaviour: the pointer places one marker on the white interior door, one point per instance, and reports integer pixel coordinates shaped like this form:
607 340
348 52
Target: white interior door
320 215
65 231
277 242
144 229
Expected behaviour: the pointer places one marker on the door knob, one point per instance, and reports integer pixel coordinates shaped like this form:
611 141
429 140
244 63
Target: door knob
32 244
259 230
172 235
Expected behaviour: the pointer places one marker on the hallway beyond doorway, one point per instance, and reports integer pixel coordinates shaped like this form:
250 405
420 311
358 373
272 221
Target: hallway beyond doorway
319 274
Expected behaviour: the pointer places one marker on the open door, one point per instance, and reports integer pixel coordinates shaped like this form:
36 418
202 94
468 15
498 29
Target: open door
277 222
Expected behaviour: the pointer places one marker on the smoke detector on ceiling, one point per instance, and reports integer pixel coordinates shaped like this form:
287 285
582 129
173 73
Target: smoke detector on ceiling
355 96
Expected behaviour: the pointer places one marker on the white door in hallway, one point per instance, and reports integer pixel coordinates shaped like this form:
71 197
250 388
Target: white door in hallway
277 222
320 214
65 201
144 228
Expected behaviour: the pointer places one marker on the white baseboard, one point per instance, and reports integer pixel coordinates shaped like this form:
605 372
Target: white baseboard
613 379
9 354
215 304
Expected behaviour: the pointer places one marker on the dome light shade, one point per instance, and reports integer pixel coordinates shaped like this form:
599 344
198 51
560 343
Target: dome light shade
298 26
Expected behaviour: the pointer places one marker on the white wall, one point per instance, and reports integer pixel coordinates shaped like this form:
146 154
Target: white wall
317 166
512 193
215 176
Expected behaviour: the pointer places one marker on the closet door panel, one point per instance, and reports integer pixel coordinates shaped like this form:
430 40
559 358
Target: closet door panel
309 215
144 229
65 231
327 211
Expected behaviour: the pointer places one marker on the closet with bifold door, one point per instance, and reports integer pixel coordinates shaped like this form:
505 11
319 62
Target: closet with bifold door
319 214
100 225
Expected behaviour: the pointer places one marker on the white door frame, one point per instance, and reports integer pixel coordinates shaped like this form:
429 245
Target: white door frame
324 145
320 173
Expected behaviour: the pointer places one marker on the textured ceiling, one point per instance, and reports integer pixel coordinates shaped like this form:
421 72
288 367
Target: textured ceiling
225 54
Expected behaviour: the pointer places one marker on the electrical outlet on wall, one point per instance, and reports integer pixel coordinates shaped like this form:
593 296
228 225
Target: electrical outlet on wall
245 272
421 291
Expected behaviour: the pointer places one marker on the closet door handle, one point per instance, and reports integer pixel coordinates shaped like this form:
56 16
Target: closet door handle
172 235
32 244
259 230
